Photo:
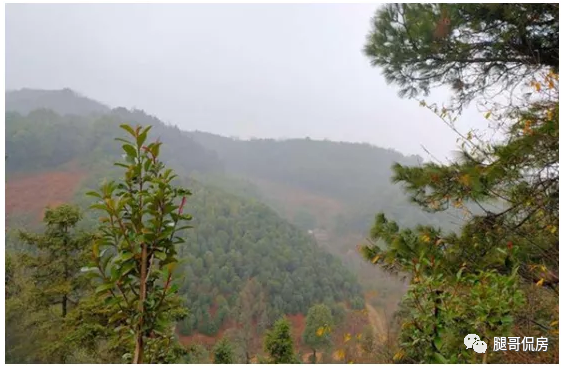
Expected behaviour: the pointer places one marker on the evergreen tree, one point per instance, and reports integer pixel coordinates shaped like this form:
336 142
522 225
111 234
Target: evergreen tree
223 352
37 281
58 256
473 48
508 251
278 343
26 319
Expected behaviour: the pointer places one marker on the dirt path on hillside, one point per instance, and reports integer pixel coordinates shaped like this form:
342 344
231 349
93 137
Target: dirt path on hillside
378 323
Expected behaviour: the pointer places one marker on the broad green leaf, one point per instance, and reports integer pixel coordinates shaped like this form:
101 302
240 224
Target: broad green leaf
141 138
438 343
127 267
174 288
459 273
129 129
96 249
146 129
100 206
125 256
130 150
117 316
104 287
123 140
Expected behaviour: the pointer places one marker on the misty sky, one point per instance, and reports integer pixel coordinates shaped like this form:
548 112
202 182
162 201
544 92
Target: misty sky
255 70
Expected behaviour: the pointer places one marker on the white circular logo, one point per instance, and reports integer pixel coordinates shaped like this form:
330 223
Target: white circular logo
470 340
479 346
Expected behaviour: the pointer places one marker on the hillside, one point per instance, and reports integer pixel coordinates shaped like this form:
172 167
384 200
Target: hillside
54 159
332 185
332 190
44 138
329 190
349 184
350 181
235 240
64 102
336 169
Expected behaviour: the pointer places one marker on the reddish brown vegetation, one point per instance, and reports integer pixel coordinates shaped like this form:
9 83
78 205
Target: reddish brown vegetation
30 194
354 324
202 339
292 198
297 328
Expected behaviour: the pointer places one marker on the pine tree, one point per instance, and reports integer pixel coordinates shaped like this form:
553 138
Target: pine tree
223 352
60 253
509 244
44 286
278 343
472 48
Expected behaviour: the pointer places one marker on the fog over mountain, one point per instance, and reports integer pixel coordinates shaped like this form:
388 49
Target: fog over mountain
255 70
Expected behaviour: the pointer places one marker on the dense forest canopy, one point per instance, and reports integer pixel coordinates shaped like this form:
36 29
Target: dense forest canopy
234 241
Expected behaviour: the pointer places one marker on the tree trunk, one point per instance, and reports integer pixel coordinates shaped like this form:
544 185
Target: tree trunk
64 305
65 273
436 308
314 360
139 352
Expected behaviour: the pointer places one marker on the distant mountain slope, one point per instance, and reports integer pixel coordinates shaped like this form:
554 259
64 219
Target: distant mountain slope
44 139
63 102
355 178
337 169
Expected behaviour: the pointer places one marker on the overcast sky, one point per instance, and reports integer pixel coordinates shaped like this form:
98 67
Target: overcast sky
255 70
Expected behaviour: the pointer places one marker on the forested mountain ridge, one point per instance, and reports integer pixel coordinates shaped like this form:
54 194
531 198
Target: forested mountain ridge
337 169
44 138
64 102
332 188
354 175
233 239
